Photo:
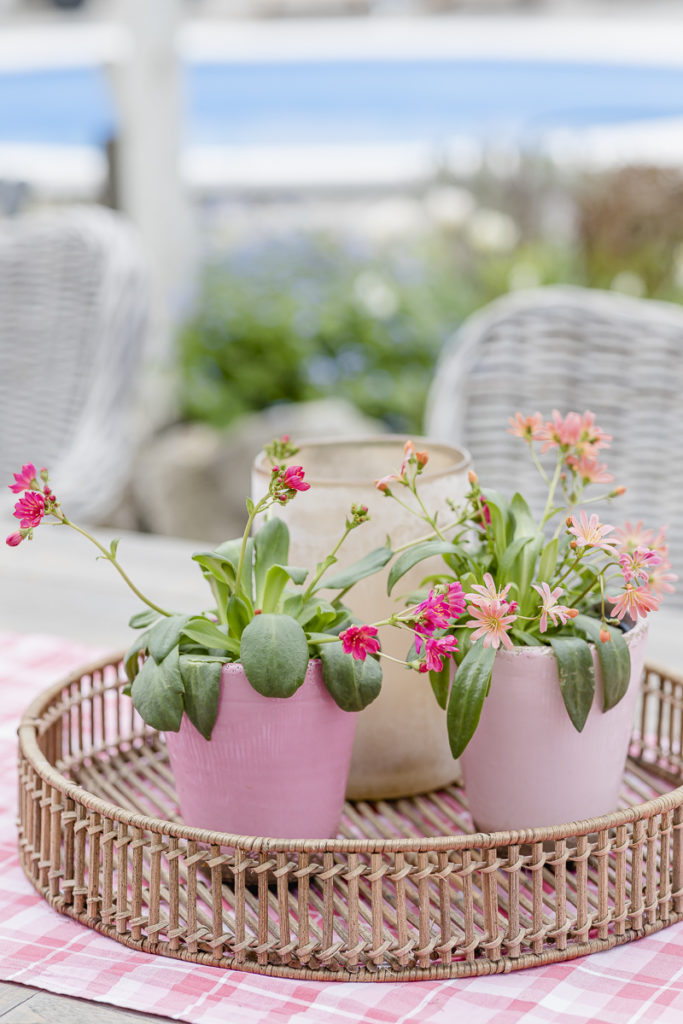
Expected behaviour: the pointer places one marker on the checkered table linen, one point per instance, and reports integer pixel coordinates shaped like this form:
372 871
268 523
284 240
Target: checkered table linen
638 983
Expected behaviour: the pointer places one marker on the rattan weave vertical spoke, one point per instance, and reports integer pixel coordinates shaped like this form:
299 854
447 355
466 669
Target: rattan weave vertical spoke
405 893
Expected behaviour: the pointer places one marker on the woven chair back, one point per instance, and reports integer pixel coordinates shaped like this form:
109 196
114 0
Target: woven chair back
572 348
73 309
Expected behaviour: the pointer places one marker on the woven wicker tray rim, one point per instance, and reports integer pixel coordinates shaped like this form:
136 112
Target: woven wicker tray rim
28 729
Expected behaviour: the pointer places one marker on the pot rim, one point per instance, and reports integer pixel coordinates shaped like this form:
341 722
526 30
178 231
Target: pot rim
463 459
631 635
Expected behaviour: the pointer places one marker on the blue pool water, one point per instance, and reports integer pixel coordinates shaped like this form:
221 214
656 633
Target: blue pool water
352 101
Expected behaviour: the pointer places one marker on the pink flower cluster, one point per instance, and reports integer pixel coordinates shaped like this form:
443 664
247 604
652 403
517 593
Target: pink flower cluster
437 612
411 457
35 503
577 436
492 614
645 567
286 482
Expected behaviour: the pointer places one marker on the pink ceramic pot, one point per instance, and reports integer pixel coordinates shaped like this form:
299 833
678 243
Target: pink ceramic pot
273 767
526 765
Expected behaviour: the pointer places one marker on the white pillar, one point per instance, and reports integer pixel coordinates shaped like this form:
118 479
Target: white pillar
151 117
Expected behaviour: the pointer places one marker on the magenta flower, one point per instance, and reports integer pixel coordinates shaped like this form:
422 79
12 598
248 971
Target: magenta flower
633 601
24 480
591 533
14 539
550 607
359 641
30 509
637 564
455 599
294 479
491 620
437 648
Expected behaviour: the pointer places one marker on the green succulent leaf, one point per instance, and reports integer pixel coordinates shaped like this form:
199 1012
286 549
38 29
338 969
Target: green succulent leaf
470 686
158 693
142 619
548 563
113 547
217 566
614 656
131 659
440 683
202 685
367 566
230 551
271 547
510 555
274 654
523 522
407 559
238 616
353 684
577 676
208 634
498 508
165 635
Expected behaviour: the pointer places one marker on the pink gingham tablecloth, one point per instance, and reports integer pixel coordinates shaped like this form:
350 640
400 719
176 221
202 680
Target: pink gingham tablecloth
641 982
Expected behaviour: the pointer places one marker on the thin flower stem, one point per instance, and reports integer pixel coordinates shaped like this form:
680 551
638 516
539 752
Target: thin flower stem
537 462
429 519
111 558
324 567
256 509
553 487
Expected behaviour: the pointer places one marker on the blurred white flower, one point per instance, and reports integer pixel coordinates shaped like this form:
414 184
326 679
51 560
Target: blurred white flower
492 231
393 218
523 274
375 295
449 206
629 283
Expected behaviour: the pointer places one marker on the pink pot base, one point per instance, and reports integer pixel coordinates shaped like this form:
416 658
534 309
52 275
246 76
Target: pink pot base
273 767
526 765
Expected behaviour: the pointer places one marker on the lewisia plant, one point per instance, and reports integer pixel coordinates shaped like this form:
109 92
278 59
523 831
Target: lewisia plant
510 579
260 611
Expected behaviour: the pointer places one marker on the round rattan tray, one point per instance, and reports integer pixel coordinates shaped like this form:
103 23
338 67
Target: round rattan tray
406 893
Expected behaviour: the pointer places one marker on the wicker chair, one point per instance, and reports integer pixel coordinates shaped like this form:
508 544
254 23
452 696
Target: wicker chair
73 304
570 348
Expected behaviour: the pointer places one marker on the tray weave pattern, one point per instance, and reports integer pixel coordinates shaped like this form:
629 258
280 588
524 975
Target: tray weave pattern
407 892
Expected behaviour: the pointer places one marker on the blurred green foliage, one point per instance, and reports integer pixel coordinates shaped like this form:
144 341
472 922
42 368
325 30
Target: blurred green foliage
301 317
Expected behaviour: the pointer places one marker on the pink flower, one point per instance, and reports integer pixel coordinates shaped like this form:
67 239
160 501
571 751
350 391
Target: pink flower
485 594
636 565
591 533
661 580
589 469
24 480
526 427
359 641
30 509
383 483
492 622
438 610
294 479
573 431
633 601
629 536
14 539
437 648
550 607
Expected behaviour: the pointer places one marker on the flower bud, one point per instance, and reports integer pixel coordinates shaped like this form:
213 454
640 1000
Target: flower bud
422 458
605 636
473 478
572 613
573 545
617 492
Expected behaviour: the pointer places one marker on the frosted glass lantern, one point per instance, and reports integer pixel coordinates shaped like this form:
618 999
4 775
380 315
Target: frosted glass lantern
401 745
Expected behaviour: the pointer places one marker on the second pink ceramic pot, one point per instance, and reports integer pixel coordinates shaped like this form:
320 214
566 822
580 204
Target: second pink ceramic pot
273 767
526 765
